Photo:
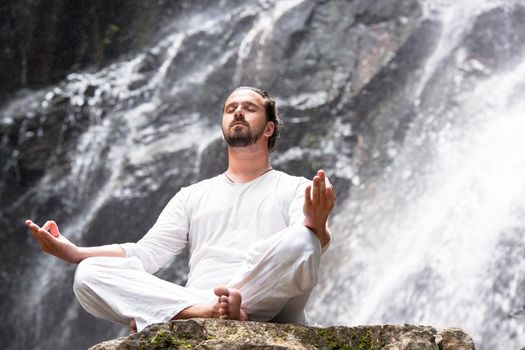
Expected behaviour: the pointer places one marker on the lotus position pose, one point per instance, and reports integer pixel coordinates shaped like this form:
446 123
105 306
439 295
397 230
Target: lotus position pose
255 237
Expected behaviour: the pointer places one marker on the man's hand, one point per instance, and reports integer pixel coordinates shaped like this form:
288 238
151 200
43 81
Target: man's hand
318 203
51 241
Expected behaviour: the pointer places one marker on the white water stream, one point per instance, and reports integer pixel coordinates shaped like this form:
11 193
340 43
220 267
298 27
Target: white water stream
438 239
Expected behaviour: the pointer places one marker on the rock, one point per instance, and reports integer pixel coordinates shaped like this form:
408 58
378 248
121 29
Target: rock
41 43
219 334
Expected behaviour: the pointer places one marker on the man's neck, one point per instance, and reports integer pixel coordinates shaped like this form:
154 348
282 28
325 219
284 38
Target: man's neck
247 163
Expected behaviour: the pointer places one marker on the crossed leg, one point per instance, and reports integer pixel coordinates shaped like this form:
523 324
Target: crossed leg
275 280
120 290
276 271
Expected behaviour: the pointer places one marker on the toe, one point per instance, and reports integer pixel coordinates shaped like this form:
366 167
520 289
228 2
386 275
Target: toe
220 291
234 293
234 304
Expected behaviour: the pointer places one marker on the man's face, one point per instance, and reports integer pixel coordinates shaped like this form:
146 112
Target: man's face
244 118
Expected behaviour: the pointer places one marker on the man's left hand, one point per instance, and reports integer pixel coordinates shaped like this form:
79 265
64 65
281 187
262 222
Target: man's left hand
319 201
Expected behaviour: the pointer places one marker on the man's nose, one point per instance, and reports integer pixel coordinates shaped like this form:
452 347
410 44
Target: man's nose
238 111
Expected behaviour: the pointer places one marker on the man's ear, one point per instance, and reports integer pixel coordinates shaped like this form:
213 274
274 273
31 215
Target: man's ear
270 127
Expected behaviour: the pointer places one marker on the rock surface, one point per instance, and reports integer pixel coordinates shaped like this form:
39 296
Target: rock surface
218 334
42 42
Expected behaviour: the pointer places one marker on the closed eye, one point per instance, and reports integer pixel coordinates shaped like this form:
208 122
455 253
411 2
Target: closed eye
250 107
231 107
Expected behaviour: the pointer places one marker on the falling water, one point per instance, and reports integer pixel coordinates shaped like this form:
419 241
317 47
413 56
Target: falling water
121 135
439 237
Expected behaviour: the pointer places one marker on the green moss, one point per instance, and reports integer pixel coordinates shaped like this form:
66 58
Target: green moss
163 339
109 35
365 342
113 28
328 339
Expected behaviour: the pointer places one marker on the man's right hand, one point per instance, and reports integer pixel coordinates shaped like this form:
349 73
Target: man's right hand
51 241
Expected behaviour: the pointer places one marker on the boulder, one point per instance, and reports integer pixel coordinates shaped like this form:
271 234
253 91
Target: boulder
228 334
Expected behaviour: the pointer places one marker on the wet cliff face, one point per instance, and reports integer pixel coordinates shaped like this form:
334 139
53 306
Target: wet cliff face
412 108
43 41
430 230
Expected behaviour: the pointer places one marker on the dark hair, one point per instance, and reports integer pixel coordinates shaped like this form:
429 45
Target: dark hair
271 114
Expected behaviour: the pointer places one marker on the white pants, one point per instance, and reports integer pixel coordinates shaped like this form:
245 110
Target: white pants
275 282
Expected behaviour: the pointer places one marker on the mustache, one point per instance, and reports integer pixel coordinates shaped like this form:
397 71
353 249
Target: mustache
238 121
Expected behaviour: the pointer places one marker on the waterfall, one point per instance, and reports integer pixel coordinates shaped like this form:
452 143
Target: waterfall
438 238
413 107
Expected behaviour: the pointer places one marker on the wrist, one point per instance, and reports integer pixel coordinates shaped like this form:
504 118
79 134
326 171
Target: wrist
321 231
77 255
324 235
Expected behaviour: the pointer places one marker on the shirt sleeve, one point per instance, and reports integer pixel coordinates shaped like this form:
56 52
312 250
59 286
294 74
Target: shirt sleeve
167 238
295 210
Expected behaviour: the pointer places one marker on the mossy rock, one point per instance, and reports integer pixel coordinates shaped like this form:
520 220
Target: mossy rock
221 334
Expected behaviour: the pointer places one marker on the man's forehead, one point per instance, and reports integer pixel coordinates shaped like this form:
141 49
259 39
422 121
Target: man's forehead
245 95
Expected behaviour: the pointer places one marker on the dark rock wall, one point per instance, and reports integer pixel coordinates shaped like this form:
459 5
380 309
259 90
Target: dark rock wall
42 41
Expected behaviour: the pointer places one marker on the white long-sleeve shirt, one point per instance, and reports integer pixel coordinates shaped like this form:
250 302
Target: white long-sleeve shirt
219 221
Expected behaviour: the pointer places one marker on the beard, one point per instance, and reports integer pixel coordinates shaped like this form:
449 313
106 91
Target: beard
241 136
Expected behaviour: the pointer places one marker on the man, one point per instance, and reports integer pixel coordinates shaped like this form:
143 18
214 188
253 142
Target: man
255 237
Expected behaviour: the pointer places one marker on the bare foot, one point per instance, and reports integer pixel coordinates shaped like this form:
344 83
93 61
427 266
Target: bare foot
230 304
198 311
227 307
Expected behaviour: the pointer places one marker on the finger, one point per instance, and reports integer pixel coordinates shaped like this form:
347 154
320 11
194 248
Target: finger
322 186
31 225
34 227
39 232
315 192
308 196
51 226
42 237
330 195
322 175
46 226
327 181
44 233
